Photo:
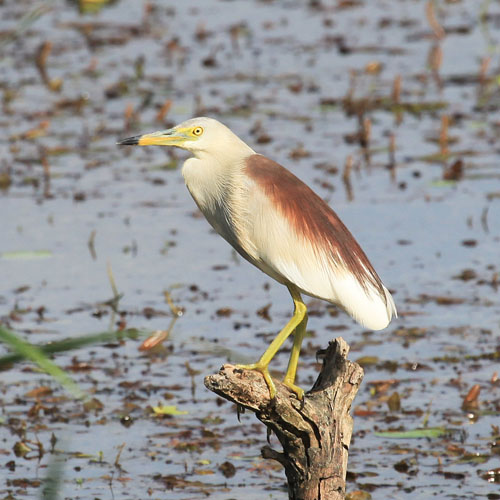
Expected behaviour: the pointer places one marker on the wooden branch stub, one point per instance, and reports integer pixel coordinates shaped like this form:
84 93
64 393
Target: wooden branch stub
316 433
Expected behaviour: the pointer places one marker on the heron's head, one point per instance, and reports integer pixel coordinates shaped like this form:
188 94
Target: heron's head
195 135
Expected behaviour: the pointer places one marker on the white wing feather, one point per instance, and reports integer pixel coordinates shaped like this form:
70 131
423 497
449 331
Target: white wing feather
286 256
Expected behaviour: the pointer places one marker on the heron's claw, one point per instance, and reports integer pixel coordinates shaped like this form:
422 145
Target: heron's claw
295 389
265 373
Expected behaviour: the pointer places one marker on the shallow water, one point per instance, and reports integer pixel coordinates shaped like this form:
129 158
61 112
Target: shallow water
281 70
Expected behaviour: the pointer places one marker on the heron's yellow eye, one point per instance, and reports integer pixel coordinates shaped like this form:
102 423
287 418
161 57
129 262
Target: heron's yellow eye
197 131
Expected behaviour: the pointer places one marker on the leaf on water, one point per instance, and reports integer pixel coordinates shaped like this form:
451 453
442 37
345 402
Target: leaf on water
358 495
473 458
39 392
429 432
21 449
172 482
394 402
443 183
227 469
403 466
381 386
455 171
459 476
471 400
92 6
203 472
79 454
93 404
157 338
27 254
411 332
367 360
359 412
167 410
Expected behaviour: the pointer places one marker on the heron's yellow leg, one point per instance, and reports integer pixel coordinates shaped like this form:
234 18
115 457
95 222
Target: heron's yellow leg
263 363
291 371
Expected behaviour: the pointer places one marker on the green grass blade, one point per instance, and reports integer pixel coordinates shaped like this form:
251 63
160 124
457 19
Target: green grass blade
33 353
73 343
428 432
53 480
26 255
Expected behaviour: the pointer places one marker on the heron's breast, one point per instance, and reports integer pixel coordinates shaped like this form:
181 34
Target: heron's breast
211 190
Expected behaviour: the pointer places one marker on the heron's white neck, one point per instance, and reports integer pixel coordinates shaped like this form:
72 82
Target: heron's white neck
209 175
209 178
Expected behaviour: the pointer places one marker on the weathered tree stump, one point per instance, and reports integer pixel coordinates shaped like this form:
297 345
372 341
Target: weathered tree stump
315 434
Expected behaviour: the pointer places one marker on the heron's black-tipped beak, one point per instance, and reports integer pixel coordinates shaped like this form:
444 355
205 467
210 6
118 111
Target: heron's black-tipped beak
170 137
130 141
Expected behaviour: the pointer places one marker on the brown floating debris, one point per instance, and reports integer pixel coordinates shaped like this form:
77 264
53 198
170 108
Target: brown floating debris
449 301
365 136
130 116
201 32
93 404
484 219
455 171
90 244
160 117
362 105
466 275
396 89
116 90
394 402
39 392
227 469
299 152
5 176
436 27
42 54
352 86
373 67
434 61
346 177
366 132
224 312
380 386
358 495
443 135
483 69
471 401
396 99
139 67
469 243
263 312
392 156
494 281
39 131
157 338
441 300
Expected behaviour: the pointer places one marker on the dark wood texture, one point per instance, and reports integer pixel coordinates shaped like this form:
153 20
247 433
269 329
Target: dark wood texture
315 435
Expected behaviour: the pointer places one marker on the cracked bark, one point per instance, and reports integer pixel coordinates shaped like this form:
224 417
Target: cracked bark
315 435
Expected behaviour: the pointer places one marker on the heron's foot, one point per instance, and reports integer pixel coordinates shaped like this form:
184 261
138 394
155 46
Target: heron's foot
295 389
261 368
